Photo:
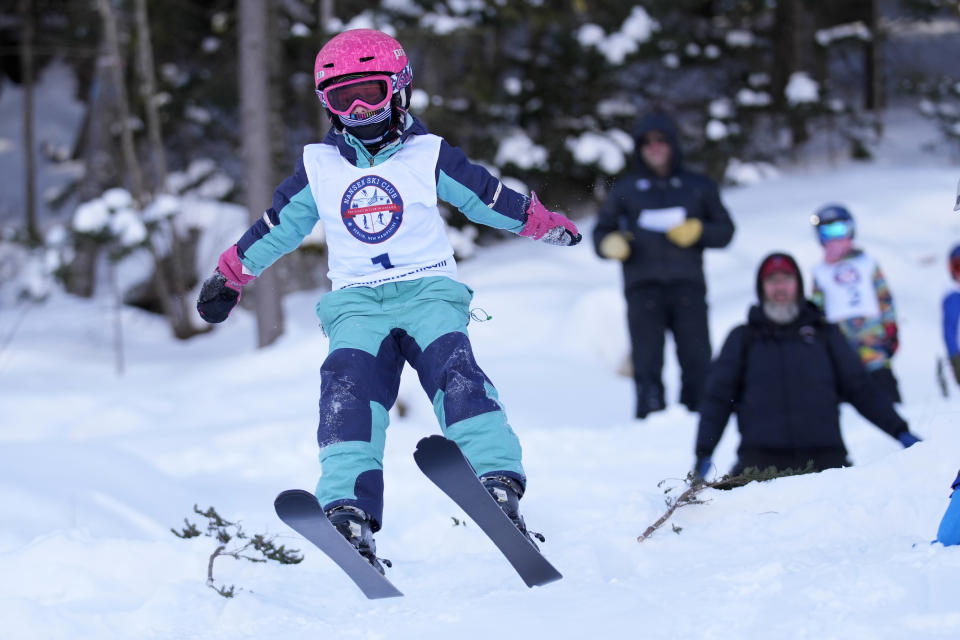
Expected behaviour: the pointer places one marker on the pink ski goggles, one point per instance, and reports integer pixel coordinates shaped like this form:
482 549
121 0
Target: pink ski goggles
371 92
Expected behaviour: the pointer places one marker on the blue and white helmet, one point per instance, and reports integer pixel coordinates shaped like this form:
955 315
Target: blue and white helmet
833 221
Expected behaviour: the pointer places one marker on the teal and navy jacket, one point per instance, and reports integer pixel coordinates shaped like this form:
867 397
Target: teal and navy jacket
380 211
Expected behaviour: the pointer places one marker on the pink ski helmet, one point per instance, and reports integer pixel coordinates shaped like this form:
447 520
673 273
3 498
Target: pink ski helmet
362 51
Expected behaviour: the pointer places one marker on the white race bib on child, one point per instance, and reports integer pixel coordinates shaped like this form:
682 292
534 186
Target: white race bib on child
848 290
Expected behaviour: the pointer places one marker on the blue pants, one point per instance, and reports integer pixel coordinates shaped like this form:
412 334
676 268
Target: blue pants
373 331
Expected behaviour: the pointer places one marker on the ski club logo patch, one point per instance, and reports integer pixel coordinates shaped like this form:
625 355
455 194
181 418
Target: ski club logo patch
371 209
846 275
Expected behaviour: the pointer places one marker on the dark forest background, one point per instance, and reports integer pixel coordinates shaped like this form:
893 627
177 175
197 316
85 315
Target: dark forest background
164 82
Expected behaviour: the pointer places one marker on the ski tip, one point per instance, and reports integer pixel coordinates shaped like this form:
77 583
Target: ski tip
293 495
544 581
432 440
434 443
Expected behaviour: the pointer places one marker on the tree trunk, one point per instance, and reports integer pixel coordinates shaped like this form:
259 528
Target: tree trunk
173 283
115 68
255 126
166 289
148 94
791 54
29 147
874 94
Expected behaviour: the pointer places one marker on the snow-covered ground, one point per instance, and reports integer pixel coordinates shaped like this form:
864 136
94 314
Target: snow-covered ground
96 468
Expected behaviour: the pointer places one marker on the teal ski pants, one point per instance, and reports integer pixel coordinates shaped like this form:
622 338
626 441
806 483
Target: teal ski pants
373 332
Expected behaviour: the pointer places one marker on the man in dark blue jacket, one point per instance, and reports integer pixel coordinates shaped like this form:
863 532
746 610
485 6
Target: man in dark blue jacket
784 374
657 220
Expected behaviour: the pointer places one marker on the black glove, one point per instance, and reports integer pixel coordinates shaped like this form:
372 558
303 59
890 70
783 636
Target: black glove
217 299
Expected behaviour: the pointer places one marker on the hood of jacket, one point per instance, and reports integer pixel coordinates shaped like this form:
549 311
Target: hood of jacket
657 121
788 258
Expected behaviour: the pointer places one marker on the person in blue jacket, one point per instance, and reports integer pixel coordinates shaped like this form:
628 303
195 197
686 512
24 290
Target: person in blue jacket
951 314
374 182
949 531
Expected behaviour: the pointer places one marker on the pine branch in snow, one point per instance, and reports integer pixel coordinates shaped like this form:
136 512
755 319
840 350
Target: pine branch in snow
258 548
695 485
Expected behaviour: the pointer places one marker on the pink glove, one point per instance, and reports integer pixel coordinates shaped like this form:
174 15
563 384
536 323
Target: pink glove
232 269
548 226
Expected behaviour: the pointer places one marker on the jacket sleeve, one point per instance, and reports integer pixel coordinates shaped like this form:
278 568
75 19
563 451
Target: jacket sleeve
477 193
888 312
717 224
951 319
856 387
283 226
609 218
721 392
816 295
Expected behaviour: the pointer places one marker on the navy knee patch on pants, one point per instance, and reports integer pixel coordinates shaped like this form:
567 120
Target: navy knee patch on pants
350 380
448 365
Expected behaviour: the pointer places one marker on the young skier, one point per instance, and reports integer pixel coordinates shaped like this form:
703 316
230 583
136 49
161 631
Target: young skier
852 291
374 182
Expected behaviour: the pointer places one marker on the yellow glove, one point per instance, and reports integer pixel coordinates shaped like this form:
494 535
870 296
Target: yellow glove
686 233
615 246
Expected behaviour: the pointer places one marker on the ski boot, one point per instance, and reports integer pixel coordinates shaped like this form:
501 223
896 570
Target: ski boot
507 492
354 525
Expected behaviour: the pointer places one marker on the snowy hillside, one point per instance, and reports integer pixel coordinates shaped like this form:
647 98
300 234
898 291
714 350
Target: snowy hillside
97 468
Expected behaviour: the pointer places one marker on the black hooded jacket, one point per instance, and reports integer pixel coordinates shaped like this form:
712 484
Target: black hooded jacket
653 258
786 383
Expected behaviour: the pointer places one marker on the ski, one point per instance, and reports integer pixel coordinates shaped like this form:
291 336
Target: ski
301 511
444 464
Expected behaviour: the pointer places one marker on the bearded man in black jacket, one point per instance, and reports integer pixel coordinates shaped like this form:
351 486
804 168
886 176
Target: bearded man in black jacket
657 220
784 374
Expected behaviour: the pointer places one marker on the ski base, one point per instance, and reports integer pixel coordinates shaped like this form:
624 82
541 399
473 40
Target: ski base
443 463
301 511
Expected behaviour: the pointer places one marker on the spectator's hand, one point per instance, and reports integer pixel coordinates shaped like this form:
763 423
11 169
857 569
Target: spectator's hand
702 467
220 292
892 341
615 246
548 226
686 233
955 365
907 439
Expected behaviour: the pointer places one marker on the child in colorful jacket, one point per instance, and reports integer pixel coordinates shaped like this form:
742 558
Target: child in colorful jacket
853 293
375 182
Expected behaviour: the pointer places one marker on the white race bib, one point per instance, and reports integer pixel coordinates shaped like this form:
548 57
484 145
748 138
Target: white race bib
847 287
382 223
